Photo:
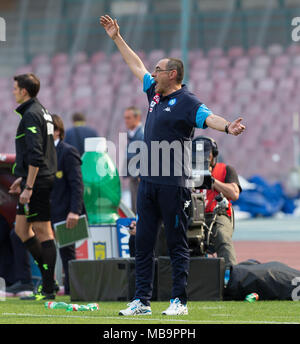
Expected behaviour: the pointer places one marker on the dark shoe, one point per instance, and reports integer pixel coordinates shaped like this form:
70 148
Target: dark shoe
40 296
56 287
39 287
19 287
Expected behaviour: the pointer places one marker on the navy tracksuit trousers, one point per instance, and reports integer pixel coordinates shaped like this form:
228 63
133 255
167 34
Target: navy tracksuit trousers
156 202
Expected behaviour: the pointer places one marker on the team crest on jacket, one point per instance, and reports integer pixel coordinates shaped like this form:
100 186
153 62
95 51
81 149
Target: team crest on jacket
59 174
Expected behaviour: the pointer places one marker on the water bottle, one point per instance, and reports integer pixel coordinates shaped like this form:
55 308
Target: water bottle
50 305
77 308
93 306
102 190
83 308
61 305
252 297
72 307
56 305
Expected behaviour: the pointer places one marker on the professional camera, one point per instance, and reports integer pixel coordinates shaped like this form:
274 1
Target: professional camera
202 146
199 234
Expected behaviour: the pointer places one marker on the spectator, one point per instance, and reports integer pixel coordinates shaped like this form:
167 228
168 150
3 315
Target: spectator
135 132
67 194
75 136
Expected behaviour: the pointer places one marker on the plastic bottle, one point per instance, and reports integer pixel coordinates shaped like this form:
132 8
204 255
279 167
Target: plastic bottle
252 297
93 306
56 305
72 307
50 305
77 308
83 308
102 190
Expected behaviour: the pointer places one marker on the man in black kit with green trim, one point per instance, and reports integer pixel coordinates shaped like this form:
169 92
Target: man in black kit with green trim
35 169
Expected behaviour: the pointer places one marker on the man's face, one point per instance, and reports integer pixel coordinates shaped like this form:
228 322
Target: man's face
161 76
19 93
56 134
211 159
131 121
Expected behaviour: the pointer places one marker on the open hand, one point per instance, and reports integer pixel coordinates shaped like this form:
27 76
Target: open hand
111 26
236 128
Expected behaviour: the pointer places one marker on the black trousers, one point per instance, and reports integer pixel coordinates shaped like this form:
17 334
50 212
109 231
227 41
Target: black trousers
156 202
67 253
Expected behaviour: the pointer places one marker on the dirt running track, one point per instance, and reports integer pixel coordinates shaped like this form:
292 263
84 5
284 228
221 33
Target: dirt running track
286 252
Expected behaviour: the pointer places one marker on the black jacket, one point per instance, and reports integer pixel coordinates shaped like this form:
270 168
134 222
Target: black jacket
34 140
67 192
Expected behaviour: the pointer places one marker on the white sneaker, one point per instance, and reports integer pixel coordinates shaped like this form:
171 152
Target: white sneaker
136 307
176 308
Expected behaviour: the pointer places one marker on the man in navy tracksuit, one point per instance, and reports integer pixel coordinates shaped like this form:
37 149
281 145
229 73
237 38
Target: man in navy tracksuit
67 194
173 114
76 135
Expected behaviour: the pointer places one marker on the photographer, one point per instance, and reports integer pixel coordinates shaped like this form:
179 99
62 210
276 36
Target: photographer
225 181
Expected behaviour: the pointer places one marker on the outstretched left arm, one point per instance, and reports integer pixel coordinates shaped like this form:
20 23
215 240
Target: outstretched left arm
219 123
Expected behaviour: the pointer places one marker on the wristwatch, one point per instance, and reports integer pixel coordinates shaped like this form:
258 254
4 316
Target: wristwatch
226 127
27 187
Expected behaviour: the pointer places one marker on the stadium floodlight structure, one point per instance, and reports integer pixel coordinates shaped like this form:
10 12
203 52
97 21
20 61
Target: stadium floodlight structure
2 29
184 34
261 36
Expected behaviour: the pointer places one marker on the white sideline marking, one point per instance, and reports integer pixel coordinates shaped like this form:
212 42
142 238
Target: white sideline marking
213 307
144 318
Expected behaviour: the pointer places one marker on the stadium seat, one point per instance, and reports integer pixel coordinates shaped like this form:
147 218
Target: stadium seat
293 49
242 62
235 52
257 73
275 49
255 51
60 59
78 58
215 52
238 74
97 57
40 59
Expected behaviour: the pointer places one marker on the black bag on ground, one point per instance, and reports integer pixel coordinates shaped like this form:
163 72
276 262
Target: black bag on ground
271 281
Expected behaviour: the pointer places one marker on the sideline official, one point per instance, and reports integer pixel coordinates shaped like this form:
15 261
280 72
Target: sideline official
35 168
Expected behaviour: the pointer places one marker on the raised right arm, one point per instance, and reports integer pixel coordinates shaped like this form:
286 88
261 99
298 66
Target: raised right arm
130 57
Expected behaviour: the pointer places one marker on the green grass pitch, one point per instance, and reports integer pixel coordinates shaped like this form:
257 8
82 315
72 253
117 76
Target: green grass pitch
15 311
